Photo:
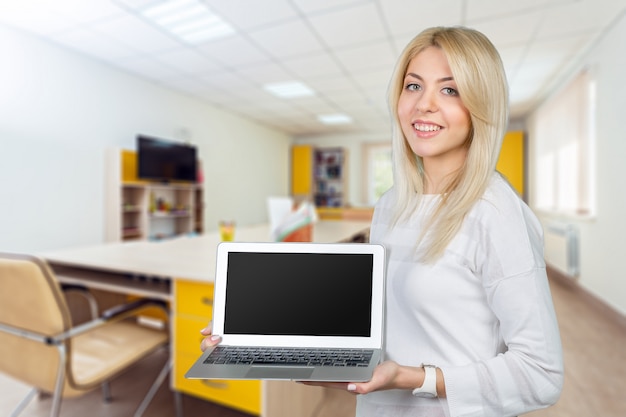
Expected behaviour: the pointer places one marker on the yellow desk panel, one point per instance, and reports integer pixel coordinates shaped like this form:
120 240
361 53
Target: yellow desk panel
194 298
188 337
242 395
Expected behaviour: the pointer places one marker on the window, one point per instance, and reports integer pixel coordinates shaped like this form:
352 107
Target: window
379 173
564 138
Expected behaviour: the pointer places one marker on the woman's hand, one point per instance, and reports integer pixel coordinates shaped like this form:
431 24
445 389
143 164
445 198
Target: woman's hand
385 377
210 339
389 375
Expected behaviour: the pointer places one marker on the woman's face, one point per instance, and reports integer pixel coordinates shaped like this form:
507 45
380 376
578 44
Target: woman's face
434 120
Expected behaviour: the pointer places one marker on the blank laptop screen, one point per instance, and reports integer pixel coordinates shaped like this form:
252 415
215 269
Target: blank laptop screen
308 294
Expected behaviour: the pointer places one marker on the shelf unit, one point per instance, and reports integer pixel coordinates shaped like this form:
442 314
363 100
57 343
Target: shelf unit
319 175
329 177
144 210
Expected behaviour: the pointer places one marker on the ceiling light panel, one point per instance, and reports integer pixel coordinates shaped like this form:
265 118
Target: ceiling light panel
334 119
188 20
289 89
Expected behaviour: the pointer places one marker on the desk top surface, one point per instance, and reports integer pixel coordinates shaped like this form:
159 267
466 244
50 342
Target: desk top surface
191 258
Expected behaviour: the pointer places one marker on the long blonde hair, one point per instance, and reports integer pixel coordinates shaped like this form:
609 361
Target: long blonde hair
481 81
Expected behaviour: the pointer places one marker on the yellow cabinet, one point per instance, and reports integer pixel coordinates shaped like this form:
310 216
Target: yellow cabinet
511 162
193 310
301 171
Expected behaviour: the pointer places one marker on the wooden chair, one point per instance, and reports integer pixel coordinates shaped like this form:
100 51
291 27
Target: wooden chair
40 347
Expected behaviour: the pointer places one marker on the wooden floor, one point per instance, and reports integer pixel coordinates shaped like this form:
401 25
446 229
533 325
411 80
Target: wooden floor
594 342
594 350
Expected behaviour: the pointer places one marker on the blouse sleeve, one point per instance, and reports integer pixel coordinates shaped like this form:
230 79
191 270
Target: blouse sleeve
529 374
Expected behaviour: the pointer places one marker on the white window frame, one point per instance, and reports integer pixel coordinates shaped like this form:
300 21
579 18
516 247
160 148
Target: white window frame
369 152
564 151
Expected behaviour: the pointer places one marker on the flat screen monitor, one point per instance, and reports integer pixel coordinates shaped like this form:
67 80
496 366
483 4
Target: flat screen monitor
165 160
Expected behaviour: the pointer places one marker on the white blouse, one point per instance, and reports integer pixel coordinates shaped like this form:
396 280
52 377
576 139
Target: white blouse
482 313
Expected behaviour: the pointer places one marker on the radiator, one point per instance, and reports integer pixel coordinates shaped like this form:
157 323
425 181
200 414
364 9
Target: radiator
561 248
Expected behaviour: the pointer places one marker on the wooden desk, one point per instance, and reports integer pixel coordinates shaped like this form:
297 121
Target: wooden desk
182 271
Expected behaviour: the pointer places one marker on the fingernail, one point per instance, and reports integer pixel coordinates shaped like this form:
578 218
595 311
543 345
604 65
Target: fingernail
215 337
351 387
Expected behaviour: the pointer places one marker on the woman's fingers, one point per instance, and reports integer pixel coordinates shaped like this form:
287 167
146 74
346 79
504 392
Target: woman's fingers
210 341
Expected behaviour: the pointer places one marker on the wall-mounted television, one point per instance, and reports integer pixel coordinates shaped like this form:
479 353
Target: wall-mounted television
165 160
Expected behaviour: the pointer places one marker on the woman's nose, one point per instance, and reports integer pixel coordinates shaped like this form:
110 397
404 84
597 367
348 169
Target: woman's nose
426 102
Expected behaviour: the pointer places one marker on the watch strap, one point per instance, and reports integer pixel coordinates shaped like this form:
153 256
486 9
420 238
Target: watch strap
429 386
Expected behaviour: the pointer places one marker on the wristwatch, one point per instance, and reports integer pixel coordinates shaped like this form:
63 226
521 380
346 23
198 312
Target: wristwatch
429 387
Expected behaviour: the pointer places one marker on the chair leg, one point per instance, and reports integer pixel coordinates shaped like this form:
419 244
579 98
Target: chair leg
153 389
58 389
20 407
106 392
178 403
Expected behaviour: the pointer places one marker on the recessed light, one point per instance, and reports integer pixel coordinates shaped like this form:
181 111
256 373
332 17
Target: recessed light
290 89
334 119
189 20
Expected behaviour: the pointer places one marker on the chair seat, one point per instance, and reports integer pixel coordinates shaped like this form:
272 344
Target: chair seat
109 349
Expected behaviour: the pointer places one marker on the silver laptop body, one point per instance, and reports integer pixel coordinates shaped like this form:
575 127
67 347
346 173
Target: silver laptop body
296 311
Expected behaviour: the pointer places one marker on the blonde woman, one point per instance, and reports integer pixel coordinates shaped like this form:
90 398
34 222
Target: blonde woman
470 325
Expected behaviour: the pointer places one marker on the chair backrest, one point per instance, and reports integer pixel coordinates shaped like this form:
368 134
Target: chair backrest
31 300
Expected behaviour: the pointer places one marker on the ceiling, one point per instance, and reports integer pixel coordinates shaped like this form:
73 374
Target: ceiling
343 49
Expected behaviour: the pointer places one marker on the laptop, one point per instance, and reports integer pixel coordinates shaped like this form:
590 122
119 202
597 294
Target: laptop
296 311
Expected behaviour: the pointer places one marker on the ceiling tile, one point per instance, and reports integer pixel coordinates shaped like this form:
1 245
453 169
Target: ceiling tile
557 49
264 73
348 98
372 79
331 84
88 11
226 80
234 51
135 33
512 56
316 6
279 42
133 4
248 15
185 84
478 10
217 96
331 27
510 31
312 66
582 16
376 55
403 17
186 61
314 105
148 68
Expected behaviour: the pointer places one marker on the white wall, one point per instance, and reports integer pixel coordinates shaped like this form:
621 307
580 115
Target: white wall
603 250
59 112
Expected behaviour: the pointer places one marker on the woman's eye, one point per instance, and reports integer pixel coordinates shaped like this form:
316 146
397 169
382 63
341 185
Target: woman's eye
412 87
450 91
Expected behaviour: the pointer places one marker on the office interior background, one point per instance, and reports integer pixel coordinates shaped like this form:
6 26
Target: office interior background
80 77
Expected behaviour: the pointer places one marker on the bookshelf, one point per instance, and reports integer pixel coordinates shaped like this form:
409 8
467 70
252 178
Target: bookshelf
144 210
319 175
329 177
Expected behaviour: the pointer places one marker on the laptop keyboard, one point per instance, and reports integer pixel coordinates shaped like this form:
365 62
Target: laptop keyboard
226 355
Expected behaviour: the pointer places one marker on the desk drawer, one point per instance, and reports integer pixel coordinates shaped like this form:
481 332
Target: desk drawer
242 395
194 298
